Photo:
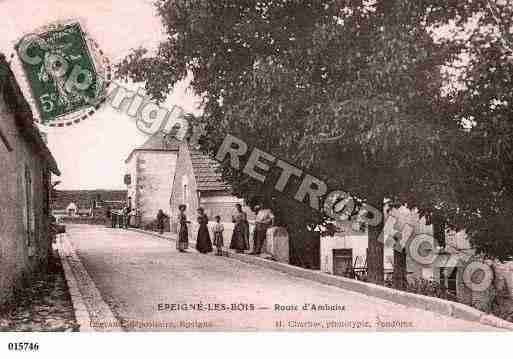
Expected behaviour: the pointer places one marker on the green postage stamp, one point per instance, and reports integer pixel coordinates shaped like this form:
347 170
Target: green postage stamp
60 70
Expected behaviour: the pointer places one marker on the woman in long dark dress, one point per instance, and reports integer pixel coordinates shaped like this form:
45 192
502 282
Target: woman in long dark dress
183 234
240 235
245 227
203 242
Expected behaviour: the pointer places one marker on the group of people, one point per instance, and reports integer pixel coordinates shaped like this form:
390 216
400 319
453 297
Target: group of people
240 236
203 242
121 218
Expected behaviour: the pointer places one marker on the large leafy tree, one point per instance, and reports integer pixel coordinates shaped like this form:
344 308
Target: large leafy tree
348 90
485 98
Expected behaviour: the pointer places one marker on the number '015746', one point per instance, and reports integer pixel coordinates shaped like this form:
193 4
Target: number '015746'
23 346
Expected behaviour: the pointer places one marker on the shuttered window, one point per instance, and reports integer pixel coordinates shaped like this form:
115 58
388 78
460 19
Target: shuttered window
29 209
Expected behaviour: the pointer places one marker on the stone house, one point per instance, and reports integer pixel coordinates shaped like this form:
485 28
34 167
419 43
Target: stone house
347 250
198 184
72 210
164 173
443 265
25 185
149 176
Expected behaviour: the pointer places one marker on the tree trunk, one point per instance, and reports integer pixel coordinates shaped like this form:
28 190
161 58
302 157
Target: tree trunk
443 289
304 248
400 269
439 229
375 267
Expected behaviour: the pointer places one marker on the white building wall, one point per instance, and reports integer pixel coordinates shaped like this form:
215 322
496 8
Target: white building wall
358 243
155 175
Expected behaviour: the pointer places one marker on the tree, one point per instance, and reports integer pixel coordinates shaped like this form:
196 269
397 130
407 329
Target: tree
350 91
485 190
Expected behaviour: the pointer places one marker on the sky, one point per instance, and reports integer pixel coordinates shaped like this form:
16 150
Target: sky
91 154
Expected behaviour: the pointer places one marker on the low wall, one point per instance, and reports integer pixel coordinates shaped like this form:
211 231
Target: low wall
277 244
504 280
436 305
85 220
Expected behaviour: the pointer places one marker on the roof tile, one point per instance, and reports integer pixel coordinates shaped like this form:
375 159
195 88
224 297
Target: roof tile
206 174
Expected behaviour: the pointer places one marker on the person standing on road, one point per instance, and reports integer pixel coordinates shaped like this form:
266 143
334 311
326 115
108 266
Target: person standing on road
124 217
203 242
218 236
127 212
183 233
245 226
240 236
161 221
264 219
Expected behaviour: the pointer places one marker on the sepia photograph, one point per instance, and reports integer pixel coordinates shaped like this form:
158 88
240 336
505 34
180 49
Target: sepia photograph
236 167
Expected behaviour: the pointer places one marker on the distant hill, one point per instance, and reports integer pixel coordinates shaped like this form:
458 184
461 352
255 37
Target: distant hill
84 198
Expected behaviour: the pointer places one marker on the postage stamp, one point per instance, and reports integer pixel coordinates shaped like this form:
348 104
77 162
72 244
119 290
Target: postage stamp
65 70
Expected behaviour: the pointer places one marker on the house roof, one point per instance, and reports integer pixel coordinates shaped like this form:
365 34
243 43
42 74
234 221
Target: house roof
23 115
157 142
206 174
72 205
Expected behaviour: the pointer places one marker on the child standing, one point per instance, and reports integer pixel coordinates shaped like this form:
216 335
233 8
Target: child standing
218 235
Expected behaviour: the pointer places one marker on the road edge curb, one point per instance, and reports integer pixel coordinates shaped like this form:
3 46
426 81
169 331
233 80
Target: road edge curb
79 307
431 304
436 305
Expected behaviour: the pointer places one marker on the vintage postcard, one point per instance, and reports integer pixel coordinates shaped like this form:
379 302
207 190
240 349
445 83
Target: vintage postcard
247 166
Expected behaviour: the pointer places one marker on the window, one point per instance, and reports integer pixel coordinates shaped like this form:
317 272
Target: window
46 191
29 210
185 189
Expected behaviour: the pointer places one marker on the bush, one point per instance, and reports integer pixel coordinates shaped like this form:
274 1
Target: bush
429 288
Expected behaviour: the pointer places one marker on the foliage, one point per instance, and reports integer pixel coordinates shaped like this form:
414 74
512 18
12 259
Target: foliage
358 93
429 288
485 187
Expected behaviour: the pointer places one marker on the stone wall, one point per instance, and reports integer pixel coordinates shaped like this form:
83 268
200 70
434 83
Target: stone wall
277 244
35 252
8 204
19 255
221 205
86 220
504 278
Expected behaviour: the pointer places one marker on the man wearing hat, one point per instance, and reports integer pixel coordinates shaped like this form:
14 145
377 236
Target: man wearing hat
264 220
